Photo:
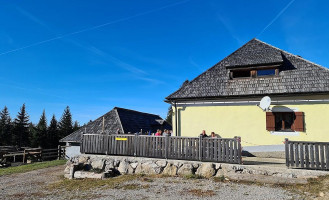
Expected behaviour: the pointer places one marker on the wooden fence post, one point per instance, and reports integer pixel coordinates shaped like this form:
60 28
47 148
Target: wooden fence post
200 148
24 156
135 144
166 145
239 150
82 146
59 152
286 144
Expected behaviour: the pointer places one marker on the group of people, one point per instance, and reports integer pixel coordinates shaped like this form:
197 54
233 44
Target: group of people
212 135
164 133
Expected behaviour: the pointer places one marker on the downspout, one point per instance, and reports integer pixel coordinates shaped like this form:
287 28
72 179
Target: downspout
176 119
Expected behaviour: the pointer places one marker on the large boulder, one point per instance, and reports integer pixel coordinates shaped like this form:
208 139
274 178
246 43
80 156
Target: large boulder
125 168
185 170
206 170
98 164
170 170
83 159
84 174
148 168
161 163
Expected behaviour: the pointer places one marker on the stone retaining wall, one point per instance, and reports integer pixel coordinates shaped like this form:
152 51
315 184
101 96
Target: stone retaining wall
96 166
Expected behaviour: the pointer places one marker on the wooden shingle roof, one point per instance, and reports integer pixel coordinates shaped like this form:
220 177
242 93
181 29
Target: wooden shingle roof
296 75
121 119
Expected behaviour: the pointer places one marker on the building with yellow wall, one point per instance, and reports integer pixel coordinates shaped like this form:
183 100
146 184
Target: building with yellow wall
225 99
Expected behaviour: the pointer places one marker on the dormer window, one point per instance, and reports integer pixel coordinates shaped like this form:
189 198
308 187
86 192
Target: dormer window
266 72
254 72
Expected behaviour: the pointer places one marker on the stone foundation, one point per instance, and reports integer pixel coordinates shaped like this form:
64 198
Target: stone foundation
100 166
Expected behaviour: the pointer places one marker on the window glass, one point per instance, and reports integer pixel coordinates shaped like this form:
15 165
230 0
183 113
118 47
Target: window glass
265 72
241 74
284 121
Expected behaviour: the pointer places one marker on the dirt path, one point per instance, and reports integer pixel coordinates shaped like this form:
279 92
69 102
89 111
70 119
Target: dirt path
34 185
30 184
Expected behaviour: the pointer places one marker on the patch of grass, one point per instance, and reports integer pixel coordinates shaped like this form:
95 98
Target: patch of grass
145 179
193 176
89 184
31 167
201 193
219 179
37 195
133 187
313 187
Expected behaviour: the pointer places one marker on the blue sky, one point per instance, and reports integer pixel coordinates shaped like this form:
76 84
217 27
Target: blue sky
94 55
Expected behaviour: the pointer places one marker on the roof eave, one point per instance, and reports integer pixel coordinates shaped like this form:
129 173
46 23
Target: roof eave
244 96
254 65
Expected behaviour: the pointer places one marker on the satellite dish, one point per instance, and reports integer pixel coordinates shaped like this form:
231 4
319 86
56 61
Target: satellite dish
265 103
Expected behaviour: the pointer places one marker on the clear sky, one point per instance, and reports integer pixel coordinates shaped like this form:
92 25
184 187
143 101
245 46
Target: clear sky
94 55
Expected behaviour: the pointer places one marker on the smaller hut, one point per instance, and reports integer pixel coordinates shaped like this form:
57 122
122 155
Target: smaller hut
116 121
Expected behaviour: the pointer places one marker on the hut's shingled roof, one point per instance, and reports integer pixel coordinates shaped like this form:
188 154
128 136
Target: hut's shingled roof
121 119
296 75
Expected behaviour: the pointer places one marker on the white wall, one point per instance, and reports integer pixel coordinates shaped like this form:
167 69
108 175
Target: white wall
72 151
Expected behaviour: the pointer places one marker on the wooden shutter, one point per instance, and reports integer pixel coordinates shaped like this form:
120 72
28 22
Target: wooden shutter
299 122
270 121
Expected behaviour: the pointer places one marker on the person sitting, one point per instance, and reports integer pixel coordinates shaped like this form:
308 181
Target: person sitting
213 135
203 134
158 133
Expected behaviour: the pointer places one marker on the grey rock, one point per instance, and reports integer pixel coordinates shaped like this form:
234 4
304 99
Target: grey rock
134 165
148 168
170 170
206 170
84 174
185 170
218 166
161 163
98 164
83 159
124 167
67 169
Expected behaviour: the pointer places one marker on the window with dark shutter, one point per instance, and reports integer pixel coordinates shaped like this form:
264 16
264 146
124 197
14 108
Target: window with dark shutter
270 121
285 121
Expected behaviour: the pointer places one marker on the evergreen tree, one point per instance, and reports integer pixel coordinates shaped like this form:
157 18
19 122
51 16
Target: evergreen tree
21 128
65 124
40 137
5 127
52 135
33 135
169 115
76 126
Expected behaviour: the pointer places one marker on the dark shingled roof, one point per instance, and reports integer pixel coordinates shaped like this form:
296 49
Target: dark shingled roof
296 75
118 119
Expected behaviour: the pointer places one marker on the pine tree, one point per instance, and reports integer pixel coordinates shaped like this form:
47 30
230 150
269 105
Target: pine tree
5 127
33 135
76 126
21 128
65 124
52 135
40 137
169 115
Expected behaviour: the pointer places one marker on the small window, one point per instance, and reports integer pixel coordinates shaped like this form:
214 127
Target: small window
266 72
241 74
284 121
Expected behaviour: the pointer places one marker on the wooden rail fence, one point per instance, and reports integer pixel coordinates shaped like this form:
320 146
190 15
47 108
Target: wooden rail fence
169 147
36 153
307 155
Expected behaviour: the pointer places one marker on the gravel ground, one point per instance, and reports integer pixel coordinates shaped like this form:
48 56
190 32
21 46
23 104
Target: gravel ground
33 185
